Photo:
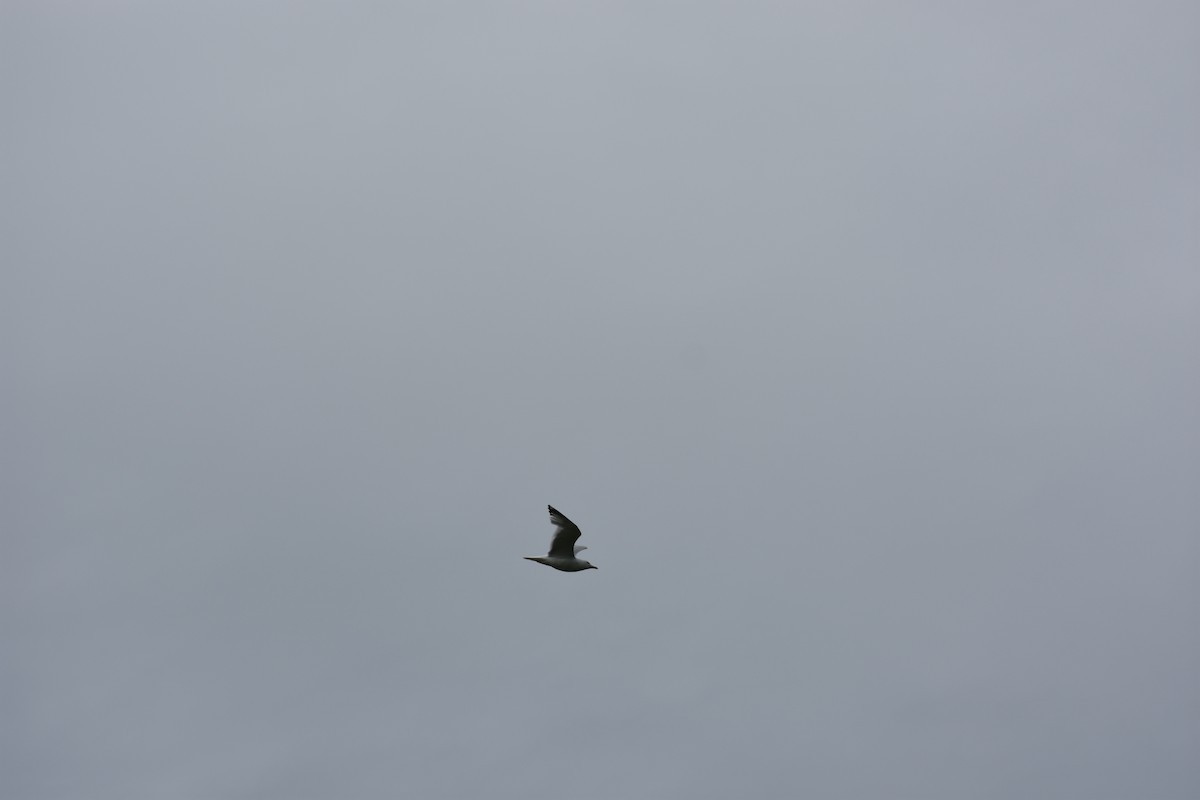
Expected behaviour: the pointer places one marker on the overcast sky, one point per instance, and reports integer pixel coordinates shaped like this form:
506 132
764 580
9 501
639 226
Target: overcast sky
861 339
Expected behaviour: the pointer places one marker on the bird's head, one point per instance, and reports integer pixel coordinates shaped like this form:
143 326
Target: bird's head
590 565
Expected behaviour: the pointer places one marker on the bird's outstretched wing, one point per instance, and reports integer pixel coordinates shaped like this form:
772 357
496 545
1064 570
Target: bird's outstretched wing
565 537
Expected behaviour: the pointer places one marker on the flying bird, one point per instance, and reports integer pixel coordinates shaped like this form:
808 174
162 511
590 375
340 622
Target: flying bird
563 550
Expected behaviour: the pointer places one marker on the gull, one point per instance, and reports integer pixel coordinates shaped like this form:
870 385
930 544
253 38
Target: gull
563 548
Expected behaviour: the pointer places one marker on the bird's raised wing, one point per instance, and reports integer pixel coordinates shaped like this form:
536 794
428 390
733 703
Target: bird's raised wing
565 537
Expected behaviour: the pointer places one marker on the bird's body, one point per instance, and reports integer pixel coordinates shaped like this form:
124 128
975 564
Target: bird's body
571 564
564 552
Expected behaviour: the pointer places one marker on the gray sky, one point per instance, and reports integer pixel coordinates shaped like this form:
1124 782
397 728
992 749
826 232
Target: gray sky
861 340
